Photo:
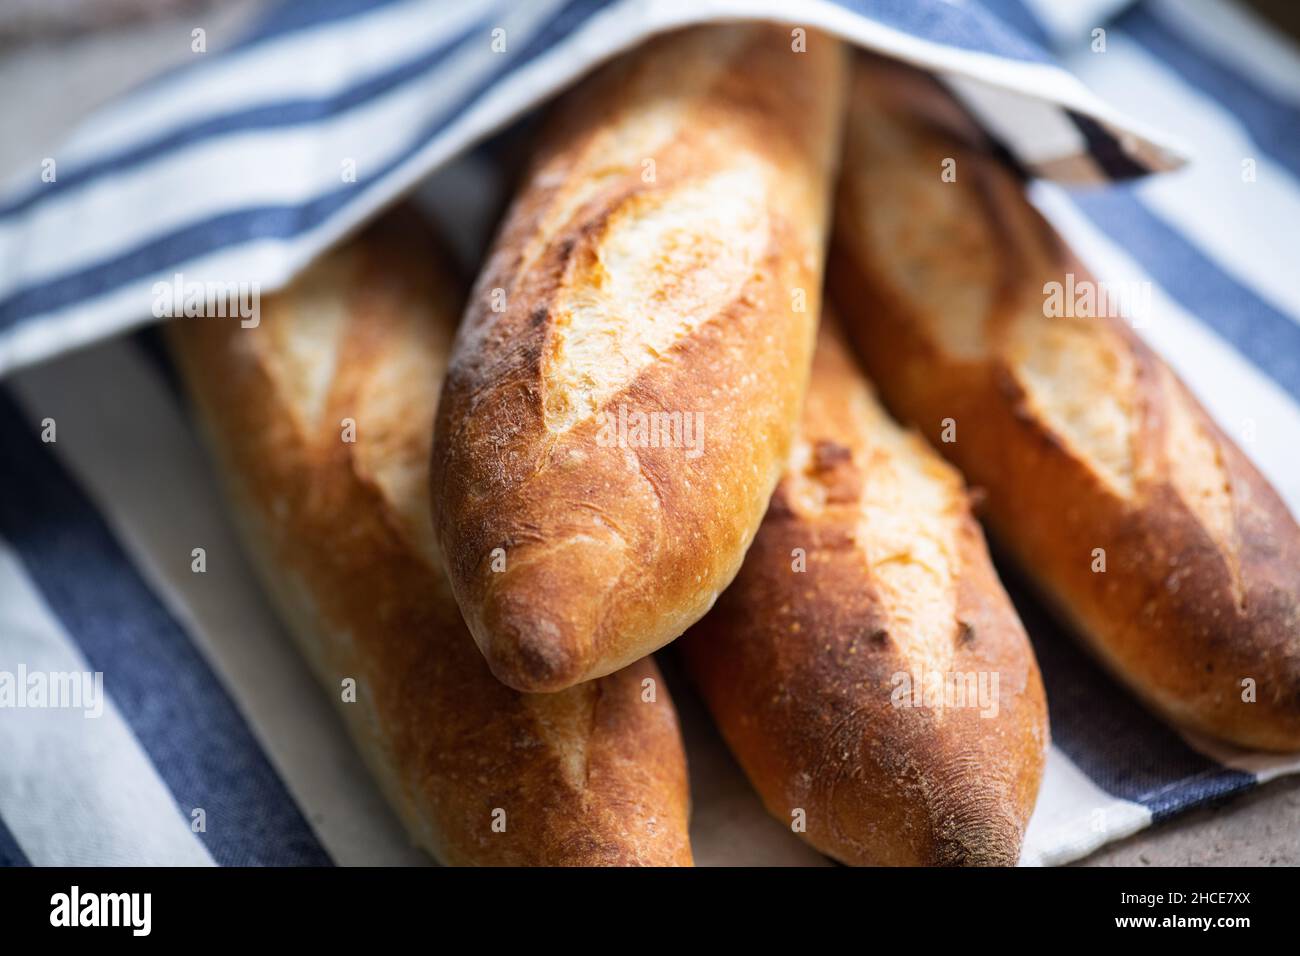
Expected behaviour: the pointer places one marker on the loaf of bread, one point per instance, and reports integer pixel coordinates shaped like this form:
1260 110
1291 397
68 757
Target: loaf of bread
321 418
1138 518
866 667
623 390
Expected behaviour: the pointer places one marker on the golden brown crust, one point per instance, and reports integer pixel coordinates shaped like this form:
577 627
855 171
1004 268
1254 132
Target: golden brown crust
663 258
802 670
341 533
1081 439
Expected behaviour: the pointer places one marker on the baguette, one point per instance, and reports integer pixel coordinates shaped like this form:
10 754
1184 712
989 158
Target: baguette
341 534
829 685
624 387
1103 477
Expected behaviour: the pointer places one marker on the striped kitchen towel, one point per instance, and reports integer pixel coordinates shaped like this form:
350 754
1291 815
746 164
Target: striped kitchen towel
230 169
252 163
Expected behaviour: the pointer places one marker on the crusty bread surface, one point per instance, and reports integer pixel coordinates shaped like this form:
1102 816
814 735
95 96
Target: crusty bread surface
341 533
866 667
1103 477
624 387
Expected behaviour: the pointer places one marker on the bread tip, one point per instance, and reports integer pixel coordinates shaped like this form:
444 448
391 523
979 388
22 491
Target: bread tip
984 837
543 621
527 649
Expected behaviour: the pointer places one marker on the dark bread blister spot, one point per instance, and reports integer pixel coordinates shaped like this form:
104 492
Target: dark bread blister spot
827 455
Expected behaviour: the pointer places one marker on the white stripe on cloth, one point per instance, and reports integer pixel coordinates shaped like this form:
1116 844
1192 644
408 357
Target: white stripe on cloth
1238 37
1264 766
284 166
315 62
1074 816
1244 401
124 437
77 791
1248 228
1034 132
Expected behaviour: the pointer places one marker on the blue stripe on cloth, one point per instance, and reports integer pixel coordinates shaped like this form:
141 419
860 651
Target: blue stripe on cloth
11 854
239 226
1273 124
1262 333
1109 736
174 704
1016 15
281 115
962 26
294 16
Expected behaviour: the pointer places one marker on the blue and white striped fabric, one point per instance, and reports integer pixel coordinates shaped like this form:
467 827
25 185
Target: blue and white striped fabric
234 166
230 170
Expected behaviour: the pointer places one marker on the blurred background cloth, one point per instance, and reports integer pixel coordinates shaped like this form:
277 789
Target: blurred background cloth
229 168
23 20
